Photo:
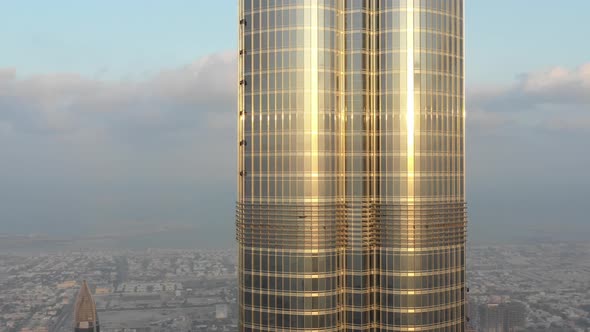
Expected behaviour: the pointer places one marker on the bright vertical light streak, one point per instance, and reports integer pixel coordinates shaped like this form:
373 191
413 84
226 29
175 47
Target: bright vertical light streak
410 95
314 91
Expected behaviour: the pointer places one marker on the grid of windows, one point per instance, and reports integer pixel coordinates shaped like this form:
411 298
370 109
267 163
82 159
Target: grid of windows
351 210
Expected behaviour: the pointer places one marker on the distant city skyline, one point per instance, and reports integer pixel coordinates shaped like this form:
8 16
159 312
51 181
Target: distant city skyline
550 280
101 117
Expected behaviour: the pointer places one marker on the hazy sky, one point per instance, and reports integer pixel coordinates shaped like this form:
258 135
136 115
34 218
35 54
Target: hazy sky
118 114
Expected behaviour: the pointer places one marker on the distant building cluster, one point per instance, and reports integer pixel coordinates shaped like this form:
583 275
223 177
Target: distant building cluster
501 314
37 292
529 288
149 287
153 290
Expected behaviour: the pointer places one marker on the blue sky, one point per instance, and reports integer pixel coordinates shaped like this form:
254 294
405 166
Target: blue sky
107 107
134 38
123 38
509 37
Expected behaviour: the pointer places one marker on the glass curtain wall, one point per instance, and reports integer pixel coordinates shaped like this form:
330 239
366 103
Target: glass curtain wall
290 166
351 208
421 209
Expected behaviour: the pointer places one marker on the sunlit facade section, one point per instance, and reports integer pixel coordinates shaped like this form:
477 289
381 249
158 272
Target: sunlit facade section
421 205
351 208
290 166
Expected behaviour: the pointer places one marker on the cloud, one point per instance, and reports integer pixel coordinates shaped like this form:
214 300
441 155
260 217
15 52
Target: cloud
556 99
81 152
5 129
7 74
160 126
87 149
559 84
526 160
62 103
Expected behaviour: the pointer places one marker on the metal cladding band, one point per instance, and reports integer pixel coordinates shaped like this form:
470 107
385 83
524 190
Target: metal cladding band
288 226
280 226
421 225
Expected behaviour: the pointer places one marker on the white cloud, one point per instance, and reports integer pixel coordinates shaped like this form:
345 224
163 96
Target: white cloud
553 99
559 80
158 127
176 129
7 74
63 102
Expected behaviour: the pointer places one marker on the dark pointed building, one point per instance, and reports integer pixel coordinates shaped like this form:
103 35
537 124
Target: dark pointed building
85 317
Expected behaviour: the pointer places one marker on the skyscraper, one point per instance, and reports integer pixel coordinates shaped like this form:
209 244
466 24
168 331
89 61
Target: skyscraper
351 210
85 317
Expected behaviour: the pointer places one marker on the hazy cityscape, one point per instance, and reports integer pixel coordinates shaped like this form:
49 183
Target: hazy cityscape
525 287
150 290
